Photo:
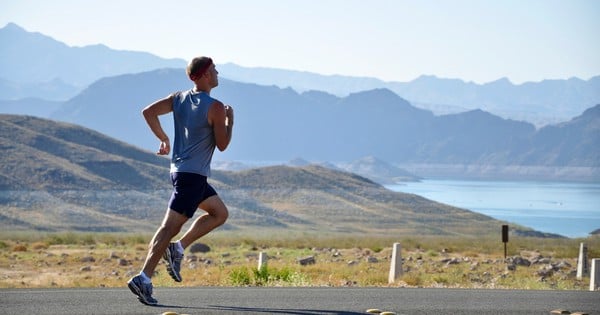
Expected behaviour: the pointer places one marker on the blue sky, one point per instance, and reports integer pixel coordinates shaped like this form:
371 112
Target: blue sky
395 40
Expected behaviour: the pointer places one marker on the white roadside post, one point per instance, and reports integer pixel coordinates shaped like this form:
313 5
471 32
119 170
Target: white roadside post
262 260
595 275
396 263
582 262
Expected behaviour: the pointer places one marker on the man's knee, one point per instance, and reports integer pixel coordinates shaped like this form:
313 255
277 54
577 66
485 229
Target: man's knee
172 223
215 207
221 214
170 230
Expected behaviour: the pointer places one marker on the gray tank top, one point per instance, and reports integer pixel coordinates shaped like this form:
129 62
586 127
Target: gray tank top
194 143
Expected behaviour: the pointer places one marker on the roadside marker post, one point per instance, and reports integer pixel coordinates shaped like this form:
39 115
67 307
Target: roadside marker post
395 263
505 238
582 262
595 275
262 260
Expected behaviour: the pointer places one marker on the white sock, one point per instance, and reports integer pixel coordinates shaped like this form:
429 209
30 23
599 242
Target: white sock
145 278
179 247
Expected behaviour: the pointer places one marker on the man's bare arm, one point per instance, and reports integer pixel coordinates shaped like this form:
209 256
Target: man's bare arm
221 118
151 113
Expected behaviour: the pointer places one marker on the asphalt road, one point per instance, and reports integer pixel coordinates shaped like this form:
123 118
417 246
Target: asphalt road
335 301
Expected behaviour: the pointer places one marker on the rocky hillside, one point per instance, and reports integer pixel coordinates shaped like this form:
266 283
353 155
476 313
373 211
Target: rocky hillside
58 176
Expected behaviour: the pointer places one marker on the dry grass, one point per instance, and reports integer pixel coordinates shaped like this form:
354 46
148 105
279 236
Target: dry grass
108 260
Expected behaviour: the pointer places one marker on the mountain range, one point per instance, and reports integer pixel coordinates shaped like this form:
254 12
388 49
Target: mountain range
35 65
283 124
540 103
277 124
62 177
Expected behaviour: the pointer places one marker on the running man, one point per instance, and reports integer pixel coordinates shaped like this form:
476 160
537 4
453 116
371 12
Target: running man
201 124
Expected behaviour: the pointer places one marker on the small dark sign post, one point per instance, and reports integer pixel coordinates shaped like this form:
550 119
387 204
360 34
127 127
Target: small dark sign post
505 237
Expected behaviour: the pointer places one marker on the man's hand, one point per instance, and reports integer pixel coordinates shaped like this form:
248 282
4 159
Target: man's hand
165 147
229 115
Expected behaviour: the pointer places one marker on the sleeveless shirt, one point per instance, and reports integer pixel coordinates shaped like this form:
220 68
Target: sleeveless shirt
194 143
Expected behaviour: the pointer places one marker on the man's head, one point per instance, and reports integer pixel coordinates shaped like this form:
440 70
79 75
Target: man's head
198 67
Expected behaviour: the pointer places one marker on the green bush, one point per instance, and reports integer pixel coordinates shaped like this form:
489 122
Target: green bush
243 276
261 276
240 276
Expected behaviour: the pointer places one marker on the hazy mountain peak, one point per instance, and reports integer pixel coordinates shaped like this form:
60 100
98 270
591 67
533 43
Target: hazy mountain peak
591 114
31 57
501 82
432 79
12 27
378 94
15 41
426 77
593 111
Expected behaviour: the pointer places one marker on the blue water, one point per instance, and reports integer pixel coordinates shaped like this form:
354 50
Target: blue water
568 209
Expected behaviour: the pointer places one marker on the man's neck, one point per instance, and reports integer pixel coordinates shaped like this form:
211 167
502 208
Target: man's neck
199 88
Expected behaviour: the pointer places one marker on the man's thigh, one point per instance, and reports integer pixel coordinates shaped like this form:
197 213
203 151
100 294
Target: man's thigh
213 205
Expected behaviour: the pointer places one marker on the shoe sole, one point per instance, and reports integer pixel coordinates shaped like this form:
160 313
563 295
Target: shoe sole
136 290
167 258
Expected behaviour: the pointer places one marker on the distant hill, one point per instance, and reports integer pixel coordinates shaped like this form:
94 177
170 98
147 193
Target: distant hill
57 176
53 90
30 106
378 171
62 177
30 59
46 155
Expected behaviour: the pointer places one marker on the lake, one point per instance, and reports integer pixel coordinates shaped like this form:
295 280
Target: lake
568 209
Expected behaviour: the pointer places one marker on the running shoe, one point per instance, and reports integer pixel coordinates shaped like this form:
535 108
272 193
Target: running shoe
142 290
173 258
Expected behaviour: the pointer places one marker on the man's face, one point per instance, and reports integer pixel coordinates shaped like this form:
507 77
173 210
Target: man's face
213 75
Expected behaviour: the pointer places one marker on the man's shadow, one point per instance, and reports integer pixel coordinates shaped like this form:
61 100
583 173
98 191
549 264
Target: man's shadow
255 310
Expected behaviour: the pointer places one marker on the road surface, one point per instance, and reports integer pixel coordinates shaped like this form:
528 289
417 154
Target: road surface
299 301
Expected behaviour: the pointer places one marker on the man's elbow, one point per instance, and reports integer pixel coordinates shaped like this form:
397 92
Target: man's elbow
146 112
151 111
222 144
222 147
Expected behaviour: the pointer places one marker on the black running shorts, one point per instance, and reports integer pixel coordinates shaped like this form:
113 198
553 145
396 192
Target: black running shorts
189 190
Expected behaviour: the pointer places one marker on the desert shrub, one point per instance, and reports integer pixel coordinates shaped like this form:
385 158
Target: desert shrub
63 239
412 279
39 245
19 248
377 249
440 279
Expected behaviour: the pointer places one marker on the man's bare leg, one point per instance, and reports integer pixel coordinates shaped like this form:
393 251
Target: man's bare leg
169 228
216 215
141 285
